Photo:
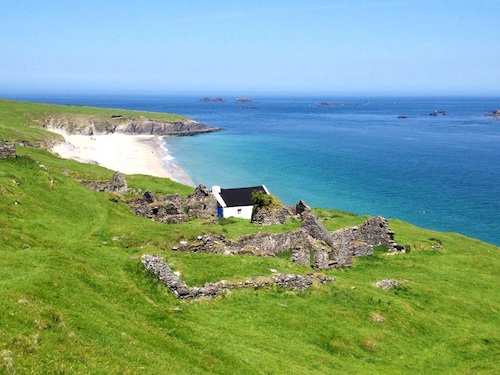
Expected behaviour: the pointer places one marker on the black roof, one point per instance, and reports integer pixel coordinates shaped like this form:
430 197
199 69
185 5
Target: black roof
240 196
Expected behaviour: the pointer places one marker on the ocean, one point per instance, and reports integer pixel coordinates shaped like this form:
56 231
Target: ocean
354 154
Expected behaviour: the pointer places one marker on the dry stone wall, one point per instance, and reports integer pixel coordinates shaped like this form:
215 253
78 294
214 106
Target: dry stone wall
117 184
312 241
7 150
165 275
173 208
271 216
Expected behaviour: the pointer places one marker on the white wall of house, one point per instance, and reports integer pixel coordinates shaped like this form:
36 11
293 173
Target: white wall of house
242 212
216 193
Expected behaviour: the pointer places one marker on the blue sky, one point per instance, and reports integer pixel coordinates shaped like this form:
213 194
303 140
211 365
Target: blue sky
341 47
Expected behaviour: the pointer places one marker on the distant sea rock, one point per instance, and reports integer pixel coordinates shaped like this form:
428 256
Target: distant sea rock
98 124
336 104
435 113
212 100
244 100
495 113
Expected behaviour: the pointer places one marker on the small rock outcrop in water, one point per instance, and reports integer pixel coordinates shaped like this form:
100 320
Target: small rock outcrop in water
244 99
495 114
95 125
213 100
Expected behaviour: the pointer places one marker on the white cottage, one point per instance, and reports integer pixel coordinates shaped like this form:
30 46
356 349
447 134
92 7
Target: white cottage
236 202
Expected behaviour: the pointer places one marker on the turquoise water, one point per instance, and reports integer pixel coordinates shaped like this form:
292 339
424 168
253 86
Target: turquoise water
440 172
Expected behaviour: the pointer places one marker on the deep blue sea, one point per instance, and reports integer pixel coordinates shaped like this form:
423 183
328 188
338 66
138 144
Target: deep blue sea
440 172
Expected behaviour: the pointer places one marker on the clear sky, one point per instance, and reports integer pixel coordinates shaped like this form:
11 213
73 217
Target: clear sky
341 47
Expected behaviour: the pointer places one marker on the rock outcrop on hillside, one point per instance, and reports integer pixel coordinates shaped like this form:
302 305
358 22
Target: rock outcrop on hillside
95 125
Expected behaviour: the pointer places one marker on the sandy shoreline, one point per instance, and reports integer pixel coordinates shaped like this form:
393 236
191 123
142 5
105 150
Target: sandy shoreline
129 154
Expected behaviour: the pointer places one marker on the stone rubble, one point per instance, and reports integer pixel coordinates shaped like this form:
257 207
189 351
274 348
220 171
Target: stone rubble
165 275
388 284
7 150
173 208
117 184
312 241
271 216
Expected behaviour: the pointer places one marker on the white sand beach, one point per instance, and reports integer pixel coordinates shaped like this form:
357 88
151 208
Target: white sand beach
129 154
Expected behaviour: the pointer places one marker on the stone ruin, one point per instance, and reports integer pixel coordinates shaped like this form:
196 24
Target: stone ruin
311 245
117 184
173 208
278 215
7 150
271 216
179 288
329 249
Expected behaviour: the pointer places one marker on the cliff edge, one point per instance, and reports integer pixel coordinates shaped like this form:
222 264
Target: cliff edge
109 124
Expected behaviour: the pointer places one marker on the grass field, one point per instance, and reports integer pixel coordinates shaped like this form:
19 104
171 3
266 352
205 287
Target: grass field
75 298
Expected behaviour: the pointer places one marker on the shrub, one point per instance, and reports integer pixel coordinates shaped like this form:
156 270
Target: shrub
265 200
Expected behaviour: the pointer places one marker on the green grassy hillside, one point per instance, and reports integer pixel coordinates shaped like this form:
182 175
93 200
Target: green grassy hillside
76 300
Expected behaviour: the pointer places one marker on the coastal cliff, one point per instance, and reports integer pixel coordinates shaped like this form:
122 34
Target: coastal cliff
109 124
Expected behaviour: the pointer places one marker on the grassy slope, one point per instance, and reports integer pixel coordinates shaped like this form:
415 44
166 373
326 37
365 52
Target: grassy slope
18 119
75 298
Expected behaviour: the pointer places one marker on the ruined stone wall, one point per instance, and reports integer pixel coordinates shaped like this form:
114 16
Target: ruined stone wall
165 275
271 216
375 231
173 208
7 150
312 243
271 243
117 184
